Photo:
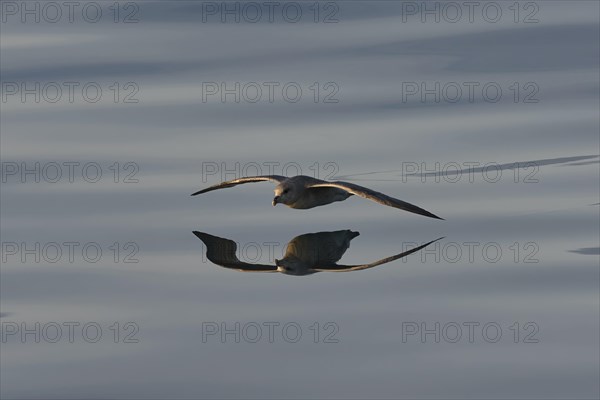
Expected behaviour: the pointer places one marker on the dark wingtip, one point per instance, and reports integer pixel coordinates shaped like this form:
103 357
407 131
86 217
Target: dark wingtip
353 234
431 215
198 192
433 241
205 237
201 235
418 210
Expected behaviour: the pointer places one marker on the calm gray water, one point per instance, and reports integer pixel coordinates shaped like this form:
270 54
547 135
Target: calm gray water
488 117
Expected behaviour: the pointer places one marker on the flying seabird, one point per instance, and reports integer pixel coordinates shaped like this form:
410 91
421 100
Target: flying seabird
302 192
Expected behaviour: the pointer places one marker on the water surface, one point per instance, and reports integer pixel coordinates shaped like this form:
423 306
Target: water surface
516 180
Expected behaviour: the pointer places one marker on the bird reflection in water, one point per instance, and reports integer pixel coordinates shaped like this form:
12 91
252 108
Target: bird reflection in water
304 255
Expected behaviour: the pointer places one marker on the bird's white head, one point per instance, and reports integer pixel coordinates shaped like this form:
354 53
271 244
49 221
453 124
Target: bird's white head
285 194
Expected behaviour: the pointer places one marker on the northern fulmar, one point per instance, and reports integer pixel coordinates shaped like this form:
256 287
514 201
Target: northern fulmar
303 192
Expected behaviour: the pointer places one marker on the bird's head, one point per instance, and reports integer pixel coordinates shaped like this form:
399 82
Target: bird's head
293 266
285 194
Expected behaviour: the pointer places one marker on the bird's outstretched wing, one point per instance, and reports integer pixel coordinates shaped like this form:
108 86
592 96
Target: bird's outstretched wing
377 197
222 252
346 268
234 182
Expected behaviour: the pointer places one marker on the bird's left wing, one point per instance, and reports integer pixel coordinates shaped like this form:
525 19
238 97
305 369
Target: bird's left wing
222 252
346 268
376 196
235 182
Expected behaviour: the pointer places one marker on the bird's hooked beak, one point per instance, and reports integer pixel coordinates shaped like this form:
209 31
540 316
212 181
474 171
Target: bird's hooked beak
275 200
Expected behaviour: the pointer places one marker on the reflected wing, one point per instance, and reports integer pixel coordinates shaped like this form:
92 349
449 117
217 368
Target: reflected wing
377 197
222 252
234 182
345 268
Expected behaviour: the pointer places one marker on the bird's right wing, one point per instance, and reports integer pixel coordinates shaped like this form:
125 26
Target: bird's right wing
222 252
346 268
234 182
376 197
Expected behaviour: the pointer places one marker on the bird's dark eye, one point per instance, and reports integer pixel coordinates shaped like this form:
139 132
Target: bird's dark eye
286 190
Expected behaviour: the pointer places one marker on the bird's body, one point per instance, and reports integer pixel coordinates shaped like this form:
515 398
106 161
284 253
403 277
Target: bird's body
312 249
304 192
311 197
319 197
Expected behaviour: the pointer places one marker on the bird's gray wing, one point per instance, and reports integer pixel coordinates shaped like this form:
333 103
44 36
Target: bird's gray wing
377 197
234 182
346 268
222 252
